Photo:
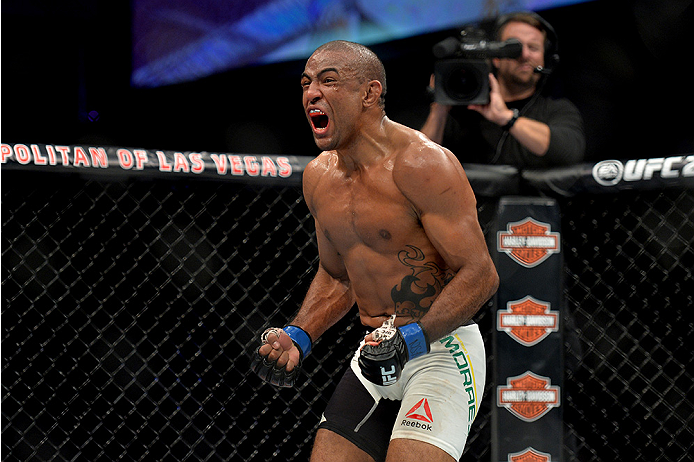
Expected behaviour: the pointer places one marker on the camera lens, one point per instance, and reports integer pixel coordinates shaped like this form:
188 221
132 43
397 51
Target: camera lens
463 83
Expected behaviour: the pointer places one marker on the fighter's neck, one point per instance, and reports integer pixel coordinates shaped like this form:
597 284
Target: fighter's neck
369 146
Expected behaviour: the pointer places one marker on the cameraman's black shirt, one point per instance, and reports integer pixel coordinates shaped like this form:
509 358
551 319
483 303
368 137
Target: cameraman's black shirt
474 139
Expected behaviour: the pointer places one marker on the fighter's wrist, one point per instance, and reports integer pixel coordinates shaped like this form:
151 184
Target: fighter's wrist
415 339
300 338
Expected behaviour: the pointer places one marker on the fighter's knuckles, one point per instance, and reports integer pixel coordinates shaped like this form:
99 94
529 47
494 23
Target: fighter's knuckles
274 355
282 361
265 350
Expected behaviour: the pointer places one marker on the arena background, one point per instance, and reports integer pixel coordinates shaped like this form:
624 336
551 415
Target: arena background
66 59
130 298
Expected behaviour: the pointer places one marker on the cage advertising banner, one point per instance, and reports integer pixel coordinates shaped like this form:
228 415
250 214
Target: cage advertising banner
528 347
116 161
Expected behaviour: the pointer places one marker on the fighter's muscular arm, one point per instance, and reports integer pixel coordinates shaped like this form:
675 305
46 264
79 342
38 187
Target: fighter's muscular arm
330 294
328 299
433 180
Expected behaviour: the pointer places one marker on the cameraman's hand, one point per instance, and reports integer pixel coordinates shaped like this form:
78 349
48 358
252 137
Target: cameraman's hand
442 109
496 111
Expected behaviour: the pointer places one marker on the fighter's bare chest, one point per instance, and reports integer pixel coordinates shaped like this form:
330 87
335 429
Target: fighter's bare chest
374 214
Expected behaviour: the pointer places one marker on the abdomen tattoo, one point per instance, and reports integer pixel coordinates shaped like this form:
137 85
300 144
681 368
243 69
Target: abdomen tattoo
417 291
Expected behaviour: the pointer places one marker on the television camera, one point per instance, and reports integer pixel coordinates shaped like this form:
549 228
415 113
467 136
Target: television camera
462 69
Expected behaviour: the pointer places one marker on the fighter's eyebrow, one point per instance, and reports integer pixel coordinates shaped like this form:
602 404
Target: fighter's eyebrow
326 70
329 69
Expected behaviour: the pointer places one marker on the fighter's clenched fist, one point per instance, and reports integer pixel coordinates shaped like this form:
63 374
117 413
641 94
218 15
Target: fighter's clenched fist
388 348
278 360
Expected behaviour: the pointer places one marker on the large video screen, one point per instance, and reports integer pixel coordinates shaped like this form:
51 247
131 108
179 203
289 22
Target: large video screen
177 41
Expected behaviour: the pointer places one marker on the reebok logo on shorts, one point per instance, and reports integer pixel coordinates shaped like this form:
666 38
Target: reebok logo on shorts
421 412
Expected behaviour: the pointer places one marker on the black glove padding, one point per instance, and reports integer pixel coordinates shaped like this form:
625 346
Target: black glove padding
382 363
382 360
269 372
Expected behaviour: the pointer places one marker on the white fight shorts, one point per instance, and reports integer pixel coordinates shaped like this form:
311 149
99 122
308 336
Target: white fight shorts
436 399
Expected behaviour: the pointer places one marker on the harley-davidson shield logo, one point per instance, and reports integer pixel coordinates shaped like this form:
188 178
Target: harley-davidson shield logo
528 396
528 321
530 455
529 242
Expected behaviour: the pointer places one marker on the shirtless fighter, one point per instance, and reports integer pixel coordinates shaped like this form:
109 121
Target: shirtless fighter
397 233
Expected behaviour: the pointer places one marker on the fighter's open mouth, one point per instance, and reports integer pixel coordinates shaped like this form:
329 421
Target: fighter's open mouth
319 119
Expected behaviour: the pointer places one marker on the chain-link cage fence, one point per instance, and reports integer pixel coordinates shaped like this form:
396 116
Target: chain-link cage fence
130 308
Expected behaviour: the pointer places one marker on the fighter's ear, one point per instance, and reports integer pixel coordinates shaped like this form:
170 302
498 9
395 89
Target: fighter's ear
373 93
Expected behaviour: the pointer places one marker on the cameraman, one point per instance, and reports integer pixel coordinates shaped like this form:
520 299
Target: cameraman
519 126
